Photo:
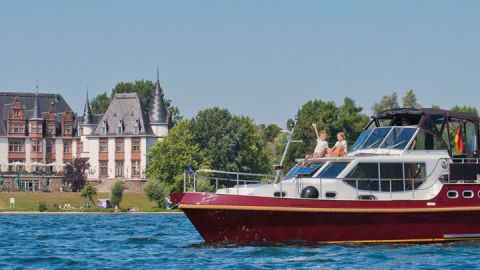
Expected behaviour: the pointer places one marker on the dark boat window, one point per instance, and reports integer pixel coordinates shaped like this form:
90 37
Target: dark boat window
300 170
394 177
452 194
471 142
415 173
333 169
330 195
467 194
392 172
367 173
365 170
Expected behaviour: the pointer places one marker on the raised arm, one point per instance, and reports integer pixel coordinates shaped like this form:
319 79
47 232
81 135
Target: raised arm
316 130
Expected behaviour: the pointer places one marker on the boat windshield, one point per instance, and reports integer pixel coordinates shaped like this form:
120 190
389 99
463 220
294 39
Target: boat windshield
361 139
299 170
333 170
385 137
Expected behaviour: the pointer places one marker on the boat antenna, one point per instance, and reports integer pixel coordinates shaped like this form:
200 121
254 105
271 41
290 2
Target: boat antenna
278 168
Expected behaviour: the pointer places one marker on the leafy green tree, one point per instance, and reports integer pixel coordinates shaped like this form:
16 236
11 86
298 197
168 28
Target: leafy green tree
269 132
229 142
100 103
387 102
145 90
89 192
276 147
346 118
410 100
157 191
116 193
465 108
170 158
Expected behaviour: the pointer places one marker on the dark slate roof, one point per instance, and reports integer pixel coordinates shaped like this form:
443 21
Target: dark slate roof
126 107
158 112
87 113
28 102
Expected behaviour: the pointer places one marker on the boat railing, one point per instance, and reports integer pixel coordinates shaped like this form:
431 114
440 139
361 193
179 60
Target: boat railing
224 179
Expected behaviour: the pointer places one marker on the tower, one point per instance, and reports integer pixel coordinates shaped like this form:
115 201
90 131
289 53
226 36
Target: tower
87 125
158 112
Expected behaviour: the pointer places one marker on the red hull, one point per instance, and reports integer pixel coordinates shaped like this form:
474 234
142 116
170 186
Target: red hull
248 219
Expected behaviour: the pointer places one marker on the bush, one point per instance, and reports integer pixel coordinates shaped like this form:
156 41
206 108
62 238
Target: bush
42 207
203 185
157 191
116 194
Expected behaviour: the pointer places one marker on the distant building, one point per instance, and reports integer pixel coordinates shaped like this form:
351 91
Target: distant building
41 134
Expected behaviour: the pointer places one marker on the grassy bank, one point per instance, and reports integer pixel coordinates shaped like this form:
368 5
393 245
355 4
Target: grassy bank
29 201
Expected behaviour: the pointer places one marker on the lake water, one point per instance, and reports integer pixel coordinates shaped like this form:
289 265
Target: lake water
171 242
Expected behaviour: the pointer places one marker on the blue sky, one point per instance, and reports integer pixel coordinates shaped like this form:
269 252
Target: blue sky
263 59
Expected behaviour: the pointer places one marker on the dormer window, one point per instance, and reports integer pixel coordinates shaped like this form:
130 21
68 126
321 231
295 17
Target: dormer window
52 129
120 127
67 129
103 130
36 128
136 127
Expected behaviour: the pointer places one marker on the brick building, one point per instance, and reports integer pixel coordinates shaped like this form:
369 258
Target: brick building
40 134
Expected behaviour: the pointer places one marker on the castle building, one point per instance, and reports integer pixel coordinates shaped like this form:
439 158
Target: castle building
40 135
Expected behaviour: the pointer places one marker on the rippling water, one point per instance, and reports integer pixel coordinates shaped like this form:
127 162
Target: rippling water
171 242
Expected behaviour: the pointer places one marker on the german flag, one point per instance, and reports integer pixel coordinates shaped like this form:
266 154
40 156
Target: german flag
458 142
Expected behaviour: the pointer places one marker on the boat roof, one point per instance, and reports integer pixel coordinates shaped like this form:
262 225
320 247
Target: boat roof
412 113
435 121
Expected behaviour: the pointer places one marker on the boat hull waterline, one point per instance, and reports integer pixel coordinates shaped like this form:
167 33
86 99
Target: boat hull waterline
250 219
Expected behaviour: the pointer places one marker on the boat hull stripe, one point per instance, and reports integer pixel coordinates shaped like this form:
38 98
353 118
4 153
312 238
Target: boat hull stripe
328 210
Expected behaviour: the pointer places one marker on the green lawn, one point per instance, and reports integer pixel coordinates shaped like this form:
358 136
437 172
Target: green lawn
29 201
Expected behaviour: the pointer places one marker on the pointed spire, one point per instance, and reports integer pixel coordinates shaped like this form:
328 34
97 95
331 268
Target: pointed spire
87 112
158 111
36 106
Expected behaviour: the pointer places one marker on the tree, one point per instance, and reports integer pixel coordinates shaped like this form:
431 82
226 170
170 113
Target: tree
100 103
329 117
231 143
145 90
157 191
75 173
387 102
269 132
89 192
410 100
169 159
116 194
465 108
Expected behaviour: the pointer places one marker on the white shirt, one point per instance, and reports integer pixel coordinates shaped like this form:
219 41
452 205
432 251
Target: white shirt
344 144
321 146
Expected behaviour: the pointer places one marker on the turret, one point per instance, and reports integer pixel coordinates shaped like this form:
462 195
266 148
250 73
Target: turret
87 125
36 107
158 112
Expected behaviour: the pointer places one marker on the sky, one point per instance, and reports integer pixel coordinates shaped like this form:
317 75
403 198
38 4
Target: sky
263 59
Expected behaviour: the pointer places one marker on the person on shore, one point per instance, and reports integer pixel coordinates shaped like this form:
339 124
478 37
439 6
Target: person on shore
340 147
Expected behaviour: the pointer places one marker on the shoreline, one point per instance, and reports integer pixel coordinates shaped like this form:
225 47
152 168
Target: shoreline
85 213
